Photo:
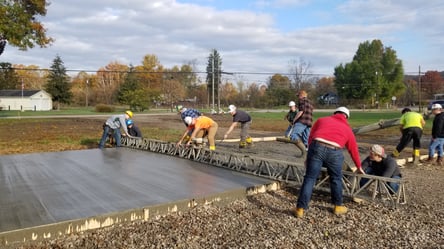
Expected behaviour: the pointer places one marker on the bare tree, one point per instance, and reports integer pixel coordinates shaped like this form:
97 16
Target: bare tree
299 72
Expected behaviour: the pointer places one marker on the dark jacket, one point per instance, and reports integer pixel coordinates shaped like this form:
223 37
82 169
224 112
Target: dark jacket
134 131
386 168
438 126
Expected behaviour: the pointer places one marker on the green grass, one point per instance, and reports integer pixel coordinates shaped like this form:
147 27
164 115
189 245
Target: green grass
357 118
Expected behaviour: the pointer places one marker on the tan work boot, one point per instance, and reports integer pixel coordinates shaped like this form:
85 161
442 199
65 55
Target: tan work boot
301 146
439 161
298 212
338 210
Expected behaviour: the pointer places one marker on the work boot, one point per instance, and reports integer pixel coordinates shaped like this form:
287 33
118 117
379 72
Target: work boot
298 212
416 157
249 141
395 153
338 210
428 160
242 145
439 161
302 147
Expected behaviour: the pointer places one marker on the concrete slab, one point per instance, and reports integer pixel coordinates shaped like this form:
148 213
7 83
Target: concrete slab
44 188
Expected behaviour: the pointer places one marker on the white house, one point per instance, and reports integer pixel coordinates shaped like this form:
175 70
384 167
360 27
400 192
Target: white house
25 100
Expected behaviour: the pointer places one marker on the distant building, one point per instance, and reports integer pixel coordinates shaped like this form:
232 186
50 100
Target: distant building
25 100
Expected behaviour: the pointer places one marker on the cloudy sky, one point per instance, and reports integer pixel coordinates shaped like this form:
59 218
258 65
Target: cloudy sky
252 36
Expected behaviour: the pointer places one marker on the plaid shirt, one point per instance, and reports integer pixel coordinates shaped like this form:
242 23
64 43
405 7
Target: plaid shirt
190 113
306 107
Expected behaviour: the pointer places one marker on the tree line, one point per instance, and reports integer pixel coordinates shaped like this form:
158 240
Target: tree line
371 79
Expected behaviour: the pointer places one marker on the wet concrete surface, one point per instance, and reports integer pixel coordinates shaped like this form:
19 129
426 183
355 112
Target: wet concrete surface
44 188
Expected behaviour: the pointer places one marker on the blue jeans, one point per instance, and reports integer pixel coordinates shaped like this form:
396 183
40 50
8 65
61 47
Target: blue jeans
289 130
300 131
106 130
436 144
370 171
320 156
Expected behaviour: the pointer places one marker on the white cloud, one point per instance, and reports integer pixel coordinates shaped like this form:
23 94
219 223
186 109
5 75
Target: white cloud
91 34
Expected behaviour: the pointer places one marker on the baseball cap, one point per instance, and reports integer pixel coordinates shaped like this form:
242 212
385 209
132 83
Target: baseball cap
379 150
436 106
292 103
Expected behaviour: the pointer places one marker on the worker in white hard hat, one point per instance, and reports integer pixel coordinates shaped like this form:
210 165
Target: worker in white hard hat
328 136
437 140
244 119
291 114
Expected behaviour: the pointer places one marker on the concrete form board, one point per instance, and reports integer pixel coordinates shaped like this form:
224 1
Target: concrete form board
38 189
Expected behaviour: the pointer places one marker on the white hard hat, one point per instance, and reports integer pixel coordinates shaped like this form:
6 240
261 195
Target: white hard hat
343 110
292 103
436 106
188 120
232 108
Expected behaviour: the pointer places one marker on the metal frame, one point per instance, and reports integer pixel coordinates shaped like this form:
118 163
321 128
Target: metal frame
292 173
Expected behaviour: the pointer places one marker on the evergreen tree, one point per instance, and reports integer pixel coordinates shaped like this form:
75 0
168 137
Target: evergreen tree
58 84
214 70
375 73
8 77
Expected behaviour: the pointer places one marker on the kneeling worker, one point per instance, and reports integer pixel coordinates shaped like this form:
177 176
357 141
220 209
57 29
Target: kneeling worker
379 164
133 130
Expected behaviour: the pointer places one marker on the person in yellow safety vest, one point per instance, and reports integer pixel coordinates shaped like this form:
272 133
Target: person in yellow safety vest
202 123
412 124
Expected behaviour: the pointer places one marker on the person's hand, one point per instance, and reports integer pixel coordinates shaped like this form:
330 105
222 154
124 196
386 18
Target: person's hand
225 136
360 171
188 143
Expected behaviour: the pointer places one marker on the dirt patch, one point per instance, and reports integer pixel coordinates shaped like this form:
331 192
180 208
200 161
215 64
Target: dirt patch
59 134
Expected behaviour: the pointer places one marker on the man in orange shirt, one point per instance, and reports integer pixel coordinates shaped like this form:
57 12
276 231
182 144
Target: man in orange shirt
203 123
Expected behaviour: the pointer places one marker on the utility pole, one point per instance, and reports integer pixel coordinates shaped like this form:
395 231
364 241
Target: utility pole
212 86
419 85
86 92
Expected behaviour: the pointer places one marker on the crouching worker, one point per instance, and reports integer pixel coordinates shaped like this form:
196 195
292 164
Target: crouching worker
133 130
203 123
184 112
379 164
113 125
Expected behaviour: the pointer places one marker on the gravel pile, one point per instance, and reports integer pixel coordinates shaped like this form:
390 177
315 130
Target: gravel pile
264 221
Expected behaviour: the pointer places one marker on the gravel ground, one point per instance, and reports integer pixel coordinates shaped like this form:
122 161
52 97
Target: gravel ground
264 221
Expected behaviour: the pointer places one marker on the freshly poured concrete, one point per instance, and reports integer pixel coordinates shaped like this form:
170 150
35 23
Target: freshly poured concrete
38 189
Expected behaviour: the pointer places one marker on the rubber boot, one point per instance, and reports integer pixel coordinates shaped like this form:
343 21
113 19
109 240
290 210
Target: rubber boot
249 141
395 153
415 157
301 146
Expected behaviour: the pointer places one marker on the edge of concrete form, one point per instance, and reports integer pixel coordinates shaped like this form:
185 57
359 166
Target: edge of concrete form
9 239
